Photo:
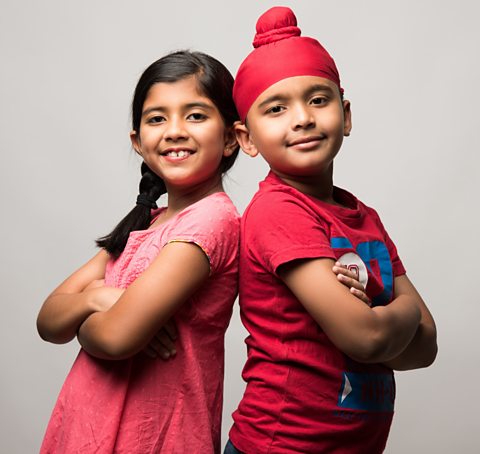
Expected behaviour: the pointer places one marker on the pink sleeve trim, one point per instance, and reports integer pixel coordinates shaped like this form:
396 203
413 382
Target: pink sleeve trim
190 240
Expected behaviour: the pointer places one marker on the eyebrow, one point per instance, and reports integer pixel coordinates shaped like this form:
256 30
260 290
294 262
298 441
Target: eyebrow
271 99
318 87
191 105
308 92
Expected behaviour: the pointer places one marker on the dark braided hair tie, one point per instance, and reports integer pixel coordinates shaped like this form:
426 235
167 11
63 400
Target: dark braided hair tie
143 199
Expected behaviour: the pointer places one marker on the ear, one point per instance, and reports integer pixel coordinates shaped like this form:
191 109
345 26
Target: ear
347 118
230 142
244 139
135 139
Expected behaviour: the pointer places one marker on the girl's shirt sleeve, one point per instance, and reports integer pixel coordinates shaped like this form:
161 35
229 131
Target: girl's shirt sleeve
279 228
213 225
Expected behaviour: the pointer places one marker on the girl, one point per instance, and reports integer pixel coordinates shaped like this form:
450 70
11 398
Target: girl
177 262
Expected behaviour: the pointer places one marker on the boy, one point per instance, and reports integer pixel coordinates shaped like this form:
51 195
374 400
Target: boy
319 369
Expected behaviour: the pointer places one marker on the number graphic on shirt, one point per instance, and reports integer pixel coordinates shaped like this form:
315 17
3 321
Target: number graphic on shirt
354 263
370 251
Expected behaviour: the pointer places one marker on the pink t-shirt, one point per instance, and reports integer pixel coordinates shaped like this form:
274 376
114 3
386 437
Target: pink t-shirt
140 405
303 395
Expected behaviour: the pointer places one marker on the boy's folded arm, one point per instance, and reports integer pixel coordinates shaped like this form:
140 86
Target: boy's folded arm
69 305
422 350
147 304
364 334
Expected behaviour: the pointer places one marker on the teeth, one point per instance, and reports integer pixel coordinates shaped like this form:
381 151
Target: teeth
178 154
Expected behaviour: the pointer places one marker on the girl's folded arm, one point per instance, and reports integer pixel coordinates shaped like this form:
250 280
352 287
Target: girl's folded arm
422 350
68 305
148 303
365 334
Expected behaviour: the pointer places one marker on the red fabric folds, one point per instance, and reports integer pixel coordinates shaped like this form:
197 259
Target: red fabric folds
280 52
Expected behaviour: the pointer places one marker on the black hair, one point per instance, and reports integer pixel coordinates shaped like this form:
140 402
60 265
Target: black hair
216 83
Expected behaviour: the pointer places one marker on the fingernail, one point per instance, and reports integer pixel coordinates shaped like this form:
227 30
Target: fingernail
165 355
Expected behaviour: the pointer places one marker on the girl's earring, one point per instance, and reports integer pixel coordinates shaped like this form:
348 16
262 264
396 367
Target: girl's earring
227 151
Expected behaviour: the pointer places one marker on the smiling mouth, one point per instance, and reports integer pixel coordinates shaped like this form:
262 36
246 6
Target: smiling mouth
306 141
178 153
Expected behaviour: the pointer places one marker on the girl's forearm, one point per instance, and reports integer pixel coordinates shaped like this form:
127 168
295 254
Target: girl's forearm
70 304
90 337
61 316
104 337
149 302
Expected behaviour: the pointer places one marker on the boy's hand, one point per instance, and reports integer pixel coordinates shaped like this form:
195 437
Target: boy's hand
163 343
350 280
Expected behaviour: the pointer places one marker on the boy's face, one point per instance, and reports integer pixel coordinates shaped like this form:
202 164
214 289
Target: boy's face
297 125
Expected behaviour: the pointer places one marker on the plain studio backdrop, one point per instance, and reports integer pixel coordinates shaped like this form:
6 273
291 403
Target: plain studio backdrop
411 70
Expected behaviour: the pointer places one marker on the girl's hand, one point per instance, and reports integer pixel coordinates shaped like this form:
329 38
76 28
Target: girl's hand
350 279
163 343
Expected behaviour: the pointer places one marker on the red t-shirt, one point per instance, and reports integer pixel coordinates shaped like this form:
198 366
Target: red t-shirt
303 395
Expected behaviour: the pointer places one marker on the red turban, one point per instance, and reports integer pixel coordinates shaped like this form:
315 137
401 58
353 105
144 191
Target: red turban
280 52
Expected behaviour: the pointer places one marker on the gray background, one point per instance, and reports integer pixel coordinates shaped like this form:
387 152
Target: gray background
411 70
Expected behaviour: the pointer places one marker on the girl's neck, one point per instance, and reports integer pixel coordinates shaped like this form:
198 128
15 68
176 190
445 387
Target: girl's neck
181 198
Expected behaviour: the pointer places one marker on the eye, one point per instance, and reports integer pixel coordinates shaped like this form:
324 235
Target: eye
196 116
156 119
319 100
275 109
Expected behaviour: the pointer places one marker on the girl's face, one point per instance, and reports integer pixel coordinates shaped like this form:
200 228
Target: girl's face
182 135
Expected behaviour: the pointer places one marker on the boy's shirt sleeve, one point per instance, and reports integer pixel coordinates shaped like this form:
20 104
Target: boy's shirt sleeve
212 225
397 265
279 228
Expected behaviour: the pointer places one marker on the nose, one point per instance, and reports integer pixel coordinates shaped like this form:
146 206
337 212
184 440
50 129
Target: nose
175 130
302 117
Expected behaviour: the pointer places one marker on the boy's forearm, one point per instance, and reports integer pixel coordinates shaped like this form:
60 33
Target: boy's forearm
397 325
366 335
421 352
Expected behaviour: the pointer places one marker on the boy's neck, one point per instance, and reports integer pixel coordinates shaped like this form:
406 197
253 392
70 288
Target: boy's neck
318 186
